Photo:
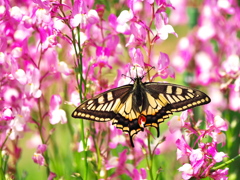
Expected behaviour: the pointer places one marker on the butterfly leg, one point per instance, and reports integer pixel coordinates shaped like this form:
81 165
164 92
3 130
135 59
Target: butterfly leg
131 140
158 131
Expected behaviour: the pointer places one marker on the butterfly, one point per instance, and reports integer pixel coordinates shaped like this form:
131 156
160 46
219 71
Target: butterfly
133 107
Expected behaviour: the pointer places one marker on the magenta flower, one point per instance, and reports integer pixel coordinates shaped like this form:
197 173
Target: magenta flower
56 114
138 36
220 174
187 171
183 149
202 159
163 66
117 137
234 99
41 148
119 163
231 66
51 176
163 29
38 159
7 114
137 57
125 16
139 175
18 125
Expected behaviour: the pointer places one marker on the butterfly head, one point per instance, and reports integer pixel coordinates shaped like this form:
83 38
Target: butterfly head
138 73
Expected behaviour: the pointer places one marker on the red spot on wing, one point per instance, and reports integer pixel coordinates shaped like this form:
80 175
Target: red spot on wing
142 120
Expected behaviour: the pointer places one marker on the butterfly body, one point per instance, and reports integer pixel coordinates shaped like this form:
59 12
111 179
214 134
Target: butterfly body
142 104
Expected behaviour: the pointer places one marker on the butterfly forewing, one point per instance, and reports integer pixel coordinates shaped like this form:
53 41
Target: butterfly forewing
180 97
103 107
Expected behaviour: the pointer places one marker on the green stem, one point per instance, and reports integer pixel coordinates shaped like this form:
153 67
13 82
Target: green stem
3 165
80 82
150 161
226 163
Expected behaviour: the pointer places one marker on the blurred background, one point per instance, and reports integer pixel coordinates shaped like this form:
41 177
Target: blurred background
56 54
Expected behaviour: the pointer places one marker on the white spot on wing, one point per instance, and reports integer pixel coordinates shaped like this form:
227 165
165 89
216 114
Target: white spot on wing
101 100
179 90
109 96
169 89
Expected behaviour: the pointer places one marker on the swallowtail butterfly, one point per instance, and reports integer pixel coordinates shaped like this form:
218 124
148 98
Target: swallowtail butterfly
142 104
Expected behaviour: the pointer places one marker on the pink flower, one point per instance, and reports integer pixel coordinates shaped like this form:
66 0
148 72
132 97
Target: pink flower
118 24
175 124
179 14
215 123
181 60
20 75
232 65
121 159
205 66
17 126
162 28
81 15
136 56
38 159
7 114
117 137
33 82
206 23
138 36
220 124
197 159
234 103
63 68
187 171
42 17
139 175
124 17
16 13
120 164
183 148
219 137
162 65
217 156
51 176
41 148
56 114
221 174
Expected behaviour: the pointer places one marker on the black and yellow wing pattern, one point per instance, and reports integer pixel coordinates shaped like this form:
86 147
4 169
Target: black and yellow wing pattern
135 106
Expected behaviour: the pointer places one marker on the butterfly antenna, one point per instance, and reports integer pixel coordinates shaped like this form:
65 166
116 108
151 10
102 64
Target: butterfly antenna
127 77
148 71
